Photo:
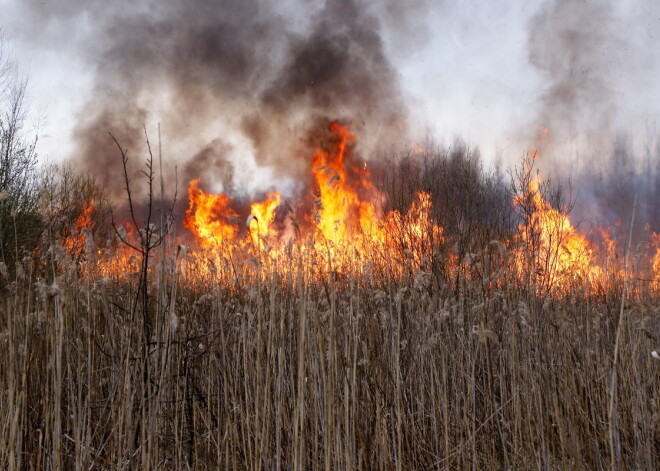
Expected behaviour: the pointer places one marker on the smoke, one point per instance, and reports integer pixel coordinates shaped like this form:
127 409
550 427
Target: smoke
337 71
607 192
586 53
241 87
237 84
572 45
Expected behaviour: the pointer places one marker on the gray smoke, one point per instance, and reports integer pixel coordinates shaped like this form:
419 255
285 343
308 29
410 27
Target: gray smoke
585 52
234 80
228 77
573 44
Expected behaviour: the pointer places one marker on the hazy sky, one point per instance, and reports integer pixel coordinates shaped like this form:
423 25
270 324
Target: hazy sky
490 72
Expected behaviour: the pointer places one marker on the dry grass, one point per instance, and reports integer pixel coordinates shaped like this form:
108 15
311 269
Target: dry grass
439 353
310 370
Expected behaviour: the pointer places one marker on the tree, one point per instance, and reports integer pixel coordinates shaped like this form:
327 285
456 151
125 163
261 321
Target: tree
19 220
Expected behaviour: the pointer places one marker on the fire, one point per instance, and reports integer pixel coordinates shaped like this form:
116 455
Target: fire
263 215
348 232
609 243
113 258
414 233
210 216
343 210
559 253
347 215
76 241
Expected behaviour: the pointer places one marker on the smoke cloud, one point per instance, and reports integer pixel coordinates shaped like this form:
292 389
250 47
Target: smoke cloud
584 52
229 81
239 87
572 45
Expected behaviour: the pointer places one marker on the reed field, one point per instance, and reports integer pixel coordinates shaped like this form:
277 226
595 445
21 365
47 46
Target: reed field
451 332
304 271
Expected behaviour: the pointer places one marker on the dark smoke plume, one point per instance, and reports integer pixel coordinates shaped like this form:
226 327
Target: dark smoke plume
213 73
339 70
232 80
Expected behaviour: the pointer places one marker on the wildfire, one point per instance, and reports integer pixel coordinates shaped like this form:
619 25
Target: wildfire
346 231
557 252
414 233
210 216
656 260
115 257
347 214
263 215
76 241
344 209
608 242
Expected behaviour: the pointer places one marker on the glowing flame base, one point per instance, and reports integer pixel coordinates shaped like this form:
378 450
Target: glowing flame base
346 234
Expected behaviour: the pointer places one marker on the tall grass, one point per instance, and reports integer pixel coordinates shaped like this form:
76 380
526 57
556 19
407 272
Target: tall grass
287 372
246 362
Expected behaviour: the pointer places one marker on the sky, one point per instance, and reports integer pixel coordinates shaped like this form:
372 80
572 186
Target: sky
491 73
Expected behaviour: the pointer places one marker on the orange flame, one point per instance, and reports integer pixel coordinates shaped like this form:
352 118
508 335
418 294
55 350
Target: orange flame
343 209
76 241
209 216
264 215
414 233
116 258
358 236
560 252
609 243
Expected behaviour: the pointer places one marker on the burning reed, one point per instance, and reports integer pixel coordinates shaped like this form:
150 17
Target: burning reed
359 329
